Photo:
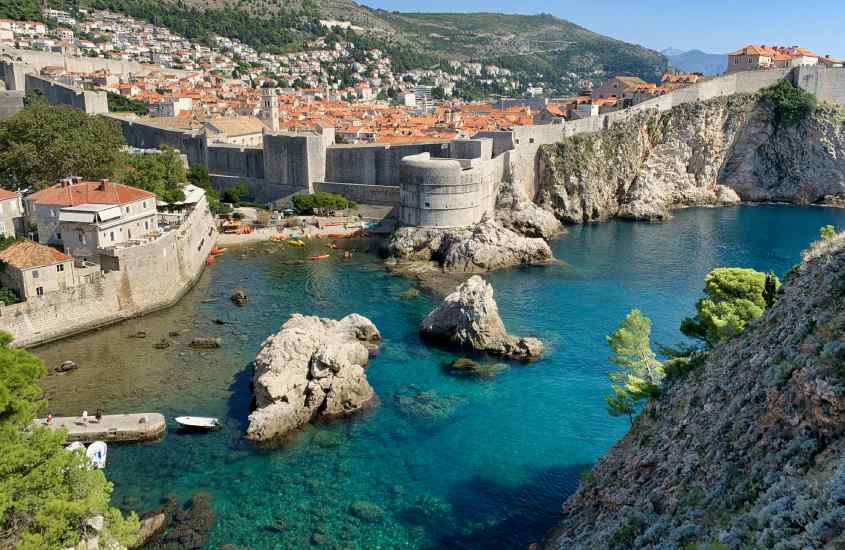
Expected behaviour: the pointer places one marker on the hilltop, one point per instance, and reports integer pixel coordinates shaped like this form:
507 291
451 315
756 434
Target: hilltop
542 49
697 61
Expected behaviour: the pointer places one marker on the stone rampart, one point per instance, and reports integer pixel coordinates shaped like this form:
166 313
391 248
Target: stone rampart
80 64
149 277
384 195
827 83
148 136
236 160
11 102
448 192
93 103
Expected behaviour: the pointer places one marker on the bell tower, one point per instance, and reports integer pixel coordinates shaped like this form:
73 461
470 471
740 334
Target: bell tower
270 108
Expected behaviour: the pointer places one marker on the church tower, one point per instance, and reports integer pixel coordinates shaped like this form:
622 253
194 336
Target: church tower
270 108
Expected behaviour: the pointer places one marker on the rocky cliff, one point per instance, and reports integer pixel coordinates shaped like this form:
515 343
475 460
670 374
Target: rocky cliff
713 152
311 368
746 449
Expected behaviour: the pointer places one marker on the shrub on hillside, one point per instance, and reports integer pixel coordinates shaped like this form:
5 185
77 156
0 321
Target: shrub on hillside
320 202
792 104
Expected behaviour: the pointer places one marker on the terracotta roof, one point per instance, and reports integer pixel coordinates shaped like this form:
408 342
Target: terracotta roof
6 194
89 192
236 126
28 254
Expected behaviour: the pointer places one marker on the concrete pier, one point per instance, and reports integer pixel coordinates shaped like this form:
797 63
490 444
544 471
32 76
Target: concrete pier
112 427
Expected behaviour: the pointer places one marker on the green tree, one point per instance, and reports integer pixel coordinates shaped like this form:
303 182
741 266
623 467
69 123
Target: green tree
161 173
42 144
639 373
198 175
319 202
236 194
827 233
791 104
733 298
46 492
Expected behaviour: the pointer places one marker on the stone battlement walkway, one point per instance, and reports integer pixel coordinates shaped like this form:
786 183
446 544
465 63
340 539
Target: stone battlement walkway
112 427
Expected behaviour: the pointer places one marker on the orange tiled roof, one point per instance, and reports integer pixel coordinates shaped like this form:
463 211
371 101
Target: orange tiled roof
28 254
89 192
6 194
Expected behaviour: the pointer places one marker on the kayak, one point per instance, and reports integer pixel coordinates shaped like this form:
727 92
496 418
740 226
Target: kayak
320 257
296 242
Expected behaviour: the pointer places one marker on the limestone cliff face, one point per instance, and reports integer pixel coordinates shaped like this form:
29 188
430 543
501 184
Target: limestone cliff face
713 152
747 449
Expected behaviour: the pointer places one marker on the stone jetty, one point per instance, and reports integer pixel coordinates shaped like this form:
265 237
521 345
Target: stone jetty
110 428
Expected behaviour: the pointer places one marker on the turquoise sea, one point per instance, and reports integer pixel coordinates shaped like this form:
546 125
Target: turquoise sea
442 461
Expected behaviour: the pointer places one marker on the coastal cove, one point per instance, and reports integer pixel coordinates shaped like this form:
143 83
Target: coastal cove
443 461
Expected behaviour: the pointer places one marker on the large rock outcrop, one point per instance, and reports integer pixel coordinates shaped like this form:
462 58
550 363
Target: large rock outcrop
515 211
311 368
746 449
469 319
486 246
713 152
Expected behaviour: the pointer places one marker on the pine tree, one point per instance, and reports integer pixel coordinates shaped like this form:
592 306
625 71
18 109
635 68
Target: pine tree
639 373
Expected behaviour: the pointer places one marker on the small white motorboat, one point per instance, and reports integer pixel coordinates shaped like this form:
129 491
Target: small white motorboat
76 445
198 422
97 454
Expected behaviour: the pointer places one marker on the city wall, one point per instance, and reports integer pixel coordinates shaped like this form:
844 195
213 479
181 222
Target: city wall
93 103
148 136
79 64
236 160
150 277
11 102
384 195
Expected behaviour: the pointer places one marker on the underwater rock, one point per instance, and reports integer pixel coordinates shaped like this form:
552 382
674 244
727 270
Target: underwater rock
206 343
164 343
151 527
468 367
426 405
469 318
311 368
366 511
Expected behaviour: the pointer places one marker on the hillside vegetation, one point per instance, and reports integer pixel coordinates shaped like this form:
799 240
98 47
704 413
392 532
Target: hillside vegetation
541 49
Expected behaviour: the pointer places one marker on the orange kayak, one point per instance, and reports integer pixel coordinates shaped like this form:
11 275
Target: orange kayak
320 257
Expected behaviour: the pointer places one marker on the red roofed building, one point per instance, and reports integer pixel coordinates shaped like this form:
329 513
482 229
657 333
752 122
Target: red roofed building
32 269
87 215
756 57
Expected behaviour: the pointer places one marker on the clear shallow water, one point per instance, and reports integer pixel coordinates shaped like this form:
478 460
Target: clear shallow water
452 462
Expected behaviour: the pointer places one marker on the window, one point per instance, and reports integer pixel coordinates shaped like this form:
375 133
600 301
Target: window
59 236
35 274
129 232
111 234
60 267
127 209
39 290
144 204
2 228
146 224
52 213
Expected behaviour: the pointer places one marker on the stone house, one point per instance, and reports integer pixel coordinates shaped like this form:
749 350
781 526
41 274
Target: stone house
241 130
33 270
11 214
85 215
619 87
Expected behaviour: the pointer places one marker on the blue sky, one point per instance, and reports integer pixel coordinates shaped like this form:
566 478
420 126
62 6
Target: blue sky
715 26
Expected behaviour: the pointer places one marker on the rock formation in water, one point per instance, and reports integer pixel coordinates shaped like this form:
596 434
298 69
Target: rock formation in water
744 450
484 247
311 368
713 152
469 318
